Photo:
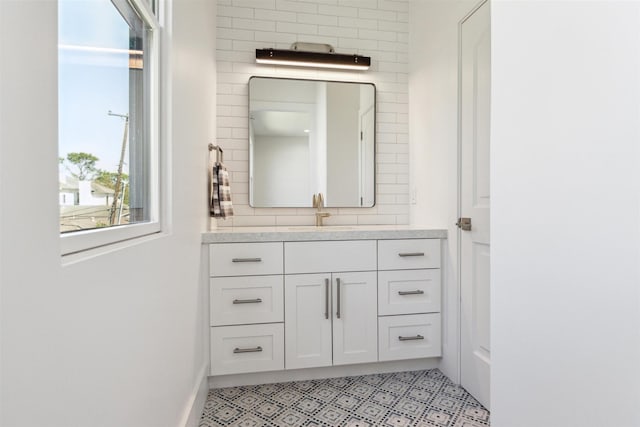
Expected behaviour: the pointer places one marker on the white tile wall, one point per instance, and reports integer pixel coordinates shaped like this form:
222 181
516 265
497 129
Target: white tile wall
376 28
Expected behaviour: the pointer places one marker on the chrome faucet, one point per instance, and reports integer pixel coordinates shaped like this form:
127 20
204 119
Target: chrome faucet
318 203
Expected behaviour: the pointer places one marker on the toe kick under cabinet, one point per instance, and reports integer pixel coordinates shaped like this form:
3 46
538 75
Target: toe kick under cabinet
305 304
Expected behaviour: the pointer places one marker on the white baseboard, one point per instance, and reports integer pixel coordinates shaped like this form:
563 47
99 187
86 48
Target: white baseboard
319 373
195 405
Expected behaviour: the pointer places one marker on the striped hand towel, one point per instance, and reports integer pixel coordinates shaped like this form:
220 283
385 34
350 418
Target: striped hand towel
220 201
214 198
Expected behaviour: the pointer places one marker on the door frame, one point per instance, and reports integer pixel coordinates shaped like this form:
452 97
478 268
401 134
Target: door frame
459 188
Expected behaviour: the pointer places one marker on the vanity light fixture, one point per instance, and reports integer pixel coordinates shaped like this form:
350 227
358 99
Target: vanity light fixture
312 55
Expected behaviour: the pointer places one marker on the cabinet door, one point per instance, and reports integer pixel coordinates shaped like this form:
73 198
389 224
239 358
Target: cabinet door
410 337
355 318
408 254
246 348
245 299
307 318
245 259
408 292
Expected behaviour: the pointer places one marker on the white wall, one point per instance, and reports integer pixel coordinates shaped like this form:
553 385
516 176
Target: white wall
565 208
86 196
281 171
343 143
115 339
367 27
433 115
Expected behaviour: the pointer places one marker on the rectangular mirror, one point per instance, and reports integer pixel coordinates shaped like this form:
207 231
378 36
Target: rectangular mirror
308 137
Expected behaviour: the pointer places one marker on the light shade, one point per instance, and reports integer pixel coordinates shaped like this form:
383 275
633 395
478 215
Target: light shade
300 58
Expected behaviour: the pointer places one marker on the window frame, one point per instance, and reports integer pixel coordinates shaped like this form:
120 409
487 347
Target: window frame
83 240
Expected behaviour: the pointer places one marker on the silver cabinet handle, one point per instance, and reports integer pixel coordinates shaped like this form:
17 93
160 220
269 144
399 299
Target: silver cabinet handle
416 292
417 337
326 298
247 350
406 254
338 298
247 301
246 260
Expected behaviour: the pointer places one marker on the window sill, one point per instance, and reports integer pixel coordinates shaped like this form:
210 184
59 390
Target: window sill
88 242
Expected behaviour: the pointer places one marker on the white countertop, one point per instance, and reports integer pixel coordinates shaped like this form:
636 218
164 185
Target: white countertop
336 232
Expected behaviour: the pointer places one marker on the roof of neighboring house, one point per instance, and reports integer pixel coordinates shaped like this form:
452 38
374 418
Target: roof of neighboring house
70 184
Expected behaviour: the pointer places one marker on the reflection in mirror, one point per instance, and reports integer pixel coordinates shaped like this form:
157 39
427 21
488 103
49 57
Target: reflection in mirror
308 137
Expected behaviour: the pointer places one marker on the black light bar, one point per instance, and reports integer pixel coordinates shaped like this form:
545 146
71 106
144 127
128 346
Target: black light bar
300 58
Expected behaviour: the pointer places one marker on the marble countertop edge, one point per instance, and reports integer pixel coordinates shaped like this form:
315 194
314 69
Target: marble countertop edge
303 233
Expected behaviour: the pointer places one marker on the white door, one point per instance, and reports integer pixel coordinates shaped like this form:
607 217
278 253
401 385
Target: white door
307 320
475 84
355 318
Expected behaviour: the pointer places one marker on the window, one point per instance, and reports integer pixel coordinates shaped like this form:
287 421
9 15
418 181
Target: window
107 121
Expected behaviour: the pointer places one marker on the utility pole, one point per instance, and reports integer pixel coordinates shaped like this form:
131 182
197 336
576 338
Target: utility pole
116 192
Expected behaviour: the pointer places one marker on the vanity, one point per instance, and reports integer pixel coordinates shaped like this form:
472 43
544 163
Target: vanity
296 298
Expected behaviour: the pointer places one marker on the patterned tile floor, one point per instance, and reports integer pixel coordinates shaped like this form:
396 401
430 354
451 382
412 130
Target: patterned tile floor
417 399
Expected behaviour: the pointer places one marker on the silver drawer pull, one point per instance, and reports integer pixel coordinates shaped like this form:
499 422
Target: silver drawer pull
247 350
416 292
246 260
417 337
326 298
406 254
247 301
338 298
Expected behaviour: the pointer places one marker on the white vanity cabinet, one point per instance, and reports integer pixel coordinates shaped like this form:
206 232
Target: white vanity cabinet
330 319
307 303
409 299
339 303
308 314
246 307
354 322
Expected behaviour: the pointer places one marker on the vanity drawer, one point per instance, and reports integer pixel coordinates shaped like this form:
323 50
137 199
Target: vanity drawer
245 259
329 256
408 292
408 254
248 299
247 348
409 337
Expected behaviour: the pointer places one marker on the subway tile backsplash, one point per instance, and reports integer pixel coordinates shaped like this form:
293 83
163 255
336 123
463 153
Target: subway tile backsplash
376 28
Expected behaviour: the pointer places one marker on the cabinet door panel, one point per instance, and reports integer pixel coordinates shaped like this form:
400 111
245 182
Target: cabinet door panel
246 348
405 254
408 291
355 321
245 259
410 337
307 328
329 256
245 299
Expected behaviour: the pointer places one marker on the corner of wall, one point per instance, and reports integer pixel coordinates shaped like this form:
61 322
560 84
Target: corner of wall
197 399
433 132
